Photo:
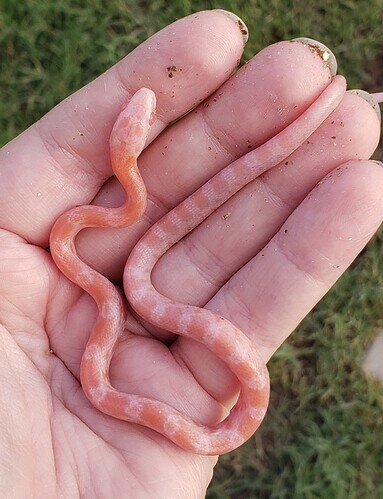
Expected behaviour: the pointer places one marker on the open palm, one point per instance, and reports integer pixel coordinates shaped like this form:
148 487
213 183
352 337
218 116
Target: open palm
263 260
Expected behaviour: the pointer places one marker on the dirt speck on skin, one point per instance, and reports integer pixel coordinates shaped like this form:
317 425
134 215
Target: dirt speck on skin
171 70
242 28
225 216
325 55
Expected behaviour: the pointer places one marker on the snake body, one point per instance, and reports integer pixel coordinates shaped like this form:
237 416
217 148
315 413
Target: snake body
127 140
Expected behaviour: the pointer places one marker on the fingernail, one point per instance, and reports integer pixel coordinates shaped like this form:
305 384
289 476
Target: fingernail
370 99
238 21
379 163
320 49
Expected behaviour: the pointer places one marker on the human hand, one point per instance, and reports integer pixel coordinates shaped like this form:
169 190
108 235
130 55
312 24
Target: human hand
291 250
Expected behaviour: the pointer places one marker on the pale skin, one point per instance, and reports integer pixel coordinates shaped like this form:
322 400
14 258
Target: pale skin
293 246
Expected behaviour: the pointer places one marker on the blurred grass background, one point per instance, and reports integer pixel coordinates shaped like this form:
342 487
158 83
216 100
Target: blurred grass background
323 434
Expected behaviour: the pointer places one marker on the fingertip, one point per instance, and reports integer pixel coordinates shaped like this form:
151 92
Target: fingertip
319 49
357 186
238 22
367 172
370 99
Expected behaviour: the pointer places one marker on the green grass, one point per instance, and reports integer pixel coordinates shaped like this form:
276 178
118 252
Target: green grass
323 434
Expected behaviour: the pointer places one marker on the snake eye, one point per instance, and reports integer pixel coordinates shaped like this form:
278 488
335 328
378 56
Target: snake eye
152 118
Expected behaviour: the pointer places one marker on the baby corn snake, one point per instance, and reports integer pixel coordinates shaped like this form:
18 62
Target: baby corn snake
127 141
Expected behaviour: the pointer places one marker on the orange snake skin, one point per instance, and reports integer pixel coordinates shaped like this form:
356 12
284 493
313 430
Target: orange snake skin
226 341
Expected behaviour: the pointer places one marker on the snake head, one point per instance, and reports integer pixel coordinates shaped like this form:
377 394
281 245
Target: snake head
130 131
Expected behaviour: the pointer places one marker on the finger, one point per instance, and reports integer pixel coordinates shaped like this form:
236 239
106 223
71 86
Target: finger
270 295
63 159
197 260
269 92
210 255
112 246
